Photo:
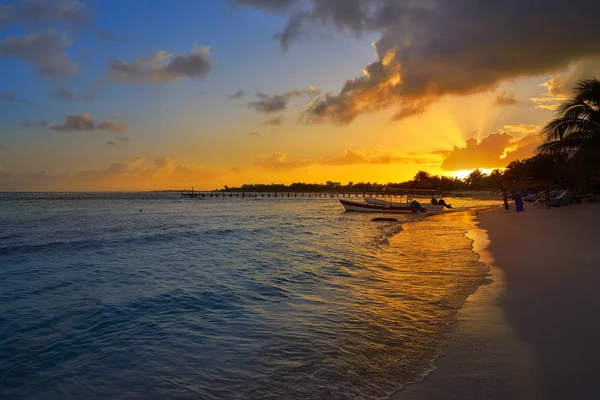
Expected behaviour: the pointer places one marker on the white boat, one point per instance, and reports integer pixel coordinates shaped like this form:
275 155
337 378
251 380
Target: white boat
372 204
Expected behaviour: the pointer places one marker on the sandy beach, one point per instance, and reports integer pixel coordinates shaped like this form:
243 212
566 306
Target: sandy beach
533 332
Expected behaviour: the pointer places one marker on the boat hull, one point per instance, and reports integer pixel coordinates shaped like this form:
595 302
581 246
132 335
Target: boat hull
386 208
381 202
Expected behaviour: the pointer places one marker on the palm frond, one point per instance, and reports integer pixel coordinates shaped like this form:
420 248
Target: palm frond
588 91
558 146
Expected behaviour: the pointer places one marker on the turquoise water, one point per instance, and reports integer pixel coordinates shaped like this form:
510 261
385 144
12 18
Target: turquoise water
151 296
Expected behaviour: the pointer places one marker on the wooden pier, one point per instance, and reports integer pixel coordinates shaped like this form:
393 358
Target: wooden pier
192 194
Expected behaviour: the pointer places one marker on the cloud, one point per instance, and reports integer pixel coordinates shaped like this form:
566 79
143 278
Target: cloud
271 5
163 163
44 52
81 122
38 123
352 157
71 13
278 103
435 48
35 14
255 134
63 94
560 87
85 122
506 99
162 67
9 97
278 162
523 148
5 13
410 110
277 121
521 129
493 151
237 95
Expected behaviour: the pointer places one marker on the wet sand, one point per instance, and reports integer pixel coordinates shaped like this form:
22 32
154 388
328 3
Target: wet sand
534 333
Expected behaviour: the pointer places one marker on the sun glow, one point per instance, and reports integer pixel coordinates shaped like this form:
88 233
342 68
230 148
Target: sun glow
463 173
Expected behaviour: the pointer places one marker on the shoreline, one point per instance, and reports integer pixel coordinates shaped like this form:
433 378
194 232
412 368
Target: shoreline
506 342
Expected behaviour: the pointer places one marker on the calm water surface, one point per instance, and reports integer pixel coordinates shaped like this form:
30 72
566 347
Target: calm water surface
131 296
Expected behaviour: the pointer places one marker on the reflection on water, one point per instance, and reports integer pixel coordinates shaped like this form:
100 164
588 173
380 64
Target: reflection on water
223 298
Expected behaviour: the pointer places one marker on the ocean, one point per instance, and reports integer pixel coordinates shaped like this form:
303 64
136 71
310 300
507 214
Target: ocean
149 296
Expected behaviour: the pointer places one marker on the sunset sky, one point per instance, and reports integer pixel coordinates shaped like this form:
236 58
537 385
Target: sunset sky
139 95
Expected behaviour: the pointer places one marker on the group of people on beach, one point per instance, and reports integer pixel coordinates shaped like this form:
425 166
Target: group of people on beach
440 202
416 206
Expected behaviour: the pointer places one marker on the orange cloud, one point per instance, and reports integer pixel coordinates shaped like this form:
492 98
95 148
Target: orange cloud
278 162
493 151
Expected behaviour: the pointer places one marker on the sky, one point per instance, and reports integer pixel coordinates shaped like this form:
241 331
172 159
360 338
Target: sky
147 95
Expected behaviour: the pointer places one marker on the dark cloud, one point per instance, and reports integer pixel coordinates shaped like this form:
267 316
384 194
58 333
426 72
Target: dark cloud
279 102
39 123
85 122
271 5
5 13
63 94
119 140
494 151
9 97
506 99
277 121
44 52
33 13
255 134
293 29
73 15
237 95
430 49
162 67
410 110
81 122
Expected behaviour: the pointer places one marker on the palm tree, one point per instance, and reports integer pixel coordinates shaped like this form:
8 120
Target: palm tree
577 126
